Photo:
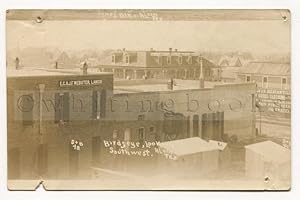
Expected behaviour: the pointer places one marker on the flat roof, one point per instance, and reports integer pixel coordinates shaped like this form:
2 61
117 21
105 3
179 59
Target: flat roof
271 152
158 87
187 146
36 72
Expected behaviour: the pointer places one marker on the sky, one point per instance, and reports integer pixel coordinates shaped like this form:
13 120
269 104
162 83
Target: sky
268 36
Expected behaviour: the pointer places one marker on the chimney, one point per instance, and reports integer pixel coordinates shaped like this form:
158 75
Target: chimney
84 68
123 49
176 50
170 49
17 62
170 84
151 49
201 77
56 65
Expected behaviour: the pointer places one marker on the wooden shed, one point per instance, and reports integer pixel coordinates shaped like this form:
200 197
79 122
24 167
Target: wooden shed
188 156
268 160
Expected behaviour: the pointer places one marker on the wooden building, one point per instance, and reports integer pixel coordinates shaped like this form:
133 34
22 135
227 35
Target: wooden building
271 75
200 158
268 160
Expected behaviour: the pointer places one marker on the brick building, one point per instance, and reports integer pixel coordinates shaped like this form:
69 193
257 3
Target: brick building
46 111
59 119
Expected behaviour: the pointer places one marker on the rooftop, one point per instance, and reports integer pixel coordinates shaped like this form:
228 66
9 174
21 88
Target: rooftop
132 86
231 61
271 152
194 144
270 68
33 72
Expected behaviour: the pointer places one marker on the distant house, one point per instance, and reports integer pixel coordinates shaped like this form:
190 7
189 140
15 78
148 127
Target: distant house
152 64
229 74
273 80
266 74
230 66
231 61
268 161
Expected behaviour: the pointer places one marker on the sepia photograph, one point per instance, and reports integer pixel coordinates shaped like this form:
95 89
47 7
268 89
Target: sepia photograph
141 99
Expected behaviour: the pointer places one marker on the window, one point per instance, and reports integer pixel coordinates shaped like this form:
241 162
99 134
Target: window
141 117
169 60
27 104
195 125
127 59
96 109
62 107
180 60
190 60
199 59
115 134
127 134
283 83
248 79
213 126
265 82
152 129
141 133
159 59
113 58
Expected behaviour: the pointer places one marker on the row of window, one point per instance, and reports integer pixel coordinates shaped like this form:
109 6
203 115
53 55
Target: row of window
265 81
62 107
180 60
212 125
169 59
141 132
127 59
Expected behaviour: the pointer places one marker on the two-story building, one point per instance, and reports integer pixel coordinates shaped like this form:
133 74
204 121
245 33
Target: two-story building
59 120
48 112
154 64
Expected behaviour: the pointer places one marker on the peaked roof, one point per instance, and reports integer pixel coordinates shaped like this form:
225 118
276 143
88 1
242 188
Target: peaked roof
231 61
271 152
188 146
269 68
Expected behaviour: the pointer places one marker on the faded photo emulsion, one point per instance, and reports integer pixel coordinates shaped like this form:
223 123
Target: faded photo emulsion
148 99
